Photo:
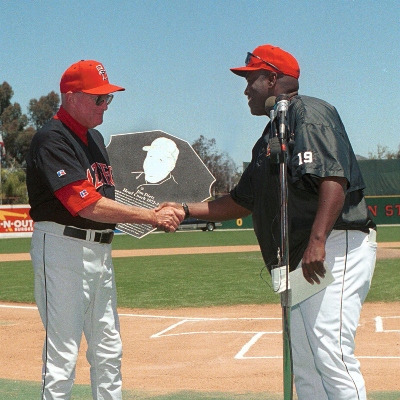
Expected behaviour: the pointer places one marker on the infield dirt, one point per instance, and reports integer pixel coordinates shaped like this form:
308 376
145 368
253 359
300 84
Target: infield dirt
223 349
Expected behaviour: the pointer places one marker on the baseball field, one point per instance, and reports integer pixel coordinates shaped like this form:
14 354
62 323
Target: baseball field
198 320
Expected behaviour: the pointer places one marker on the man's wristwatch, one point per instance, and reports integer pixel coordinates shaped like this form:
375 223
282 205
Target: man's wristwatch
186 209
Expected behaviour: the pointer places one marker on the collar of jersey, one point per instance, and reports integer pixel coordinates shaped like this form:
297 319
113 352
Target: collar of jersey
75 126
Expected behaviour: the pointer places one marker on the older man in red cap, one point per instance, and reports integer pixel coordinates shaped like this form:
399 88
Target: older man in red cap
329 223
71 193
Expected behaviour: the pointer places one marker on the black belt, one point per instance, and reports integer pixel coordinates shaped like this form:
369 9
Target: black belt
100 237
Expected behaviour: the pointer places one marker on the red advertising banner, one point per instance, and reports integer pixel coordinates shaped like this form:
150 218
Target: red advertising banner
15 221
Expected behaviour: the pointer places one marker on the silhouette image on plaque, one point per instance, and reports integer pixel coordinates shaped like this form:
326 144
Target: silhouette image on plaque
158 165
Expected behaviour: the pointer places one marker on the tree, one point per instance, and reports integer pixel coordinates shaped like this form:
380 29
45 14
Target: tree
221 165
23 143
6 93
42 110
16 132
383 153
14 186
17 136
13 123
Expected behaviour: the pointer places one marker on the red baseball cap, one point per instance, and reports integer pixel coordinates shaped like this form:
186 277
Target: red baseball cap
87 76
270 58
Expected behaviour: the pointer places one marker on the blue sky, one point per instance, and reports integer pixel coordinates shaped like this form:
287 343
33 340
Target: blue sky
173 58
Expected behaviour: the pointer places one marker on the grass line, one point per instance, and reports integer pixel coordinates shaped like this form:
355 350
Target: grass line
202 280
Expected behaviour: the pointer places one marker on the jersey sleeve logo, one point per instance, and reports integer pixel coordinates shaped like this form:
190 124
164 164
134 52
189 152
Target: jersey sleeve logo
61 173
83 193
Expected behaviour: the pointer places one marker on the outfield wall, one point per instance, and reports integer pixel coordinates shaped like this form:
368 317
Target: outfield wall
16 222
384 209
241 223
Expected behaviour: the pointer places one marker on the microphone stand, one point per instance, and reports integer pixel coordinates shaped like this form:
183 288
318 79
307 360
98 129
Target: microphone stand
279 154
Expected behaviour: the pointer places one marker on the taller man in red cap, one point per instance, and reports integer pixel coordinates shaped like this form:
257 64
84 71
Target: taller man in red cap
71 193
329 223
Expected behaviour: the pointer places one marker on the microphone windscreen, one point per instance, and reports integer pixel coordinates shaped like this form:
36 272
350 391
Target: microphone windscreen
269 103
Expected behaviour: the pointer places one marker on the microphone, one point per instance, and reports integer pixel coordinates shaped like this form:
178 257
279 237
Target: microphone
281 109
277 108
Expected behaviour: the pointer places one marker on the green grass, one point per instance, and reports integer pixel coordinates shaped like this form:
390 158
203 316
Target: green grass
185 239
156 240
386 281
23 390
383 395
387 233
18 285
166 281
20 245
192 281
197 280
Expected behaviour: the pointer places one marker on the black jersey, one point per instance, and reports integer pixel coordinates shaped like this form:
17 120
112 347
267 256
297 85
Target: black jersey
58 157
319 148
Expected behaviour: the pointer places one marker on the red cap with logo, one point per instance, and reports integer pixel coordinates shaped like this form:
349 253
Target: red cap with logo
270 58
87 76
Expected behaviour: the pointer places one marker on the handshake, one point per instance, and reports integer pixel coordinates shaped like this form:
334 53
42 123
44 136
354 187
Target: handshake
169 215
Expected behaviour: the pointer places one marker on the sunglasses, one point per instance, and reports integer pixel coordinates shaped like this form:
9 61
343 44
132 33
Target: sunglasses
104 98
248 59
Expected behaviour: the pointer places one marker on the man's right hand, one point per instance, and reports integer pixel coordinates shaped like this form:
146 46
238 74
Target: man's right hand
168 216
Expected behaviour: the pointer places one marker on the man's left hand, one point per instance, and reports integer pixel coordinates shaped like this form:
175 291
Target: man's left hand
313 263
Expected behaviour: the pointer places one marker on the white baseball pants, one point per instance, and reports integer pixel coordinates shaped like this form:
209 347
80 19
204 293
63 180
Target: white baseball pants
323 327
75 292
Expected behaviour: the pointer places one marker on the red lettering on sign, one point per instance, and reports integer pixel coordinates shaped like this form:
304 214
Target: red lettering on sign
389 210
15 219
374 210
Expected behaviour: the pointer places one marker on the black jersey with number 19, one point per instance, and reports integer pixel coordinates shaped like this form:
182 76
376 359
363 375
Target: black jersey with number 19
319 148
